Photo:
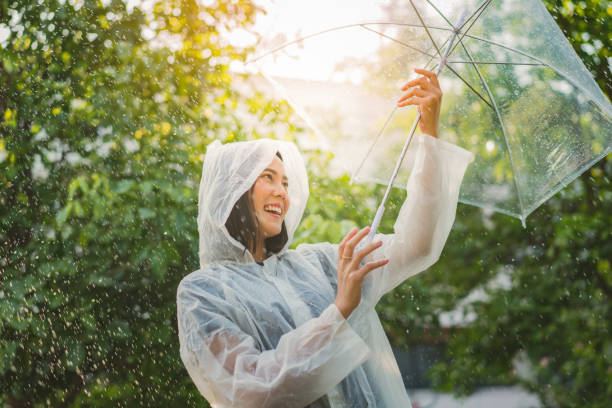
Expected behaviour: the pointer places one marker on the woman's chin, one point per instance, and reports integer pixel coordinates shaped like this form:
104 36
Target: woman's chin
272 234
272 230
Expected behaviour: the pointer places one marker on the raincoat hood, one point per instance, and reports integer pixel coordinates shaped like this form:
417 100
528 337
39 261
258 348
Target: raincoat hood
229 171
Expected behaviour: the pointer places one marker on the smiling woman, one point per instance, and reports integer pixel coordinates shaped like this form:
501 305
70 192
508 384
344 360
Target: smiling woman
261 325
257 219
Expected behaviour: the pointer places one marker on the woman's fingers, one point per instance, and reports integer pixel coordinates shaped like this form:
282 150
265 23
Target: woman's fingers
428 82
420 81
352 243
347 237
430 75
370 266
362 253
350 274
428 100
413 92
415 100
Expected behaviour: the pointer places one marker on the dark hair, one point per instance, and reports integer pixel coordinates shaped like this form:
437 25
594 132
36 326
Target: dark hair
242 225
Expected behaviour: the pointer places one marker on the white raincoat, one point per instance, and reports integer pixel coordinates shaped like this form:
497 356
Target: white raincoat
270 336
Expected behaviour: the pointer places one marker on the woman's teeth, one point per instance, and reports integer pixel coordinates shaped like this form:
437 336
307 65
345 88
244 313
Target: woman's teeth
272 208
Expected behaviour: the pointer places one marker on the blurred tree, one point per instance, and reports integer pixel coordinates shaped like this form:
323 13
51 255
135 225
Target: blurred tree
105 112
587 25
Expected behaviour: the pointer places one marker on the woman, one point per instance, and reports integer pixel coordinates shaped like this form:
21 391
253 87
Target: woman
264 326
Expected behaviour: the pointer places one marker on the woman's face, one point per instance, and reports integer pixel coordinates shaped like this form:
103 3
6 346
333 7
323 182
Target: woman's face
270 198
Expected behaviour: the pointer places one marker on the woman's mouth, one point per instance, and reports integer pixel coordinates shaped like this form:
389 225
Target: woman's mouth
273 209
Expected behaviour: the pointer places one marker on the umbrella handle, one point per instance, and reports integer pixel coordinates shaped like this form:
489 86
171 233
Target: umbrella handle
398 164
370 237
375 224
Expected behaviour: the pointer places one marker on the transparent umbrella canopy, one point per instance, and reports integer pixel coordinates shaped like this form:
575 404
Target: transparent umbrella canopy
515 92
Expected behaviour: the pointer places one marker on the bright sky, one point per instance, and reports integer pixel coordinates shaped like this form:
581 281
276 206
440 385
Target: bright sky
290 19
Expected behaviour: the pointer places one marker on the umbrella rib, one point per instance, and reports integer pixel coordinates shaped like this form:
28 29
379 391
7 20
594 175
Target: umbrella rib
475 37
466 21
298 40
494 62
501 123
483 6
544 63
425 27
469 86
382 130
404 24
363 25
440 13
396 40
479 10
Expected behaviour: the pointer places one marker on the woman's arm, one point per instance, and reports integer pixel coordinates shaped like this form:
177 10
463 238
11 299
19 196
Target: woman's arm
230 370
426 216
428 212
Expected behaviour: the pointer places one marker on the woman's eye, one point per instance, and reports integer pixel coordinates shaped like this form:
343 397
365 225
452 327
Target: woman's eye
286 185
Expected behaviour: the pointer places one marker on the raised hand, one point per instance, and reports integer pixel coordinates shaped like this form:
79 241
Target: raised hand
425 93
350 272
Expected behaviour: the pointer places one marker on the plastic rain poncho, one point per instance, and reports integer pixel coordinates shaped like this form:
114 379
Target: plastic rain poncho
270 336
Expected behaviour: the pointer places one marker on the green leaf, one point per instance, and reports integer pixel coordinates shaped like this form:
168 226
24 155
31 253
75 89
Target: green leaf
123 186
145 213
63 215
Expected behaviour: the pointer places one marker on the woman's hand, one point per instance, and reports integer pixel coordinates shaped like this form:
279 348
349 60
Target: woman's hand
350 273
425 93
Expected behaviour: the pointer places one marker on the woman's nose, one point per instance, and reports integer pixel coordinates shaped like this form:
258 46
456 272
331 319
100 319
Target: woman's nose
280 190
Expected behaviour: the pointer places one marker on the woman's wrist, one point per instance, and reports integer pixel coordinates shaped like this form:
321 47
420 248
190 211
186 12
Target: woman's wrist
344 311
430 131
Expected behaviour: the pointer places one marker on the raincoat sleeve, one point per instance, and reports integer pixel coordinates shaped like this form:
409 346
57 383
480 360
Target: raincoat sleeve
425 218
230 368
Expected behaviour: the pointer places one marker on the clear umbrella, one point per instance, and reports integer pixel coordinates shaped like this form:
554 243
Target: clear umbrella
515 92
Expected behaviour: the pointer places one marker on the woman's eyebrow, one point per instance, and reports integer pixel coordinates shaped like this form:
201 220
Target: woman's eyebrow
275 172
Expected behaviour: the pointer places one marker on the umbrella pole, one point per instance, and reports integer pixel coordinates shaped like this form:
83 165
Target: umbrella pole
398 164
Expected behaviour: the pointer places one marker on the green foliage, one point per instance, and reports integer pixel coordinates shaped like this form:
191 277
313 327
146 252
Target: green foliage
102 135
543 318
335 206
587 24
